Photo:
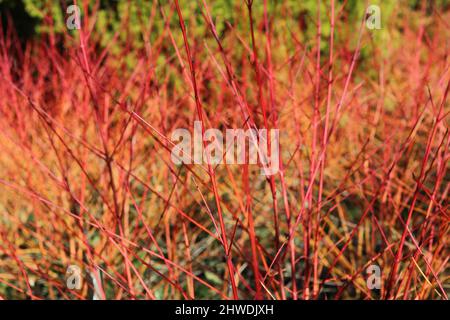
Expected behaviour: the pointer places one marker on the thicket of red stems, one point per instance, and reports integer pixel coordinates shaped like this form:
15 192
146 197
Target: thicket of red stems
86 175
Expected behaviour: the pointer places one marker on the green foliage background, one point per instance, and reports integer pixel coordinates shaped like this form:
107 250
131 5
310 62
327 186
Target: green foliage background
127 22
112 11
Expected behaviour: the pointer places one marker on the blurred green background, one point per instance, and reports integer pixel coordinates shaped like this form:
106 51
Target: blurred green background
125 23
28 15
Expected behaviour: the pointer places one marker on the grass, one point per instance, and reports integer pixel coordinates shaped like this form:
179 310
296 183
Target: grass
86 176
